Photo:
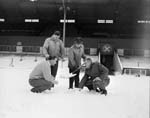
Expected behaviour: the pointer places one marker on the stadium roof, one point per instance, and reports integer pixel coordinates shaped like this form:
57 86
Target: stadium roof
126 14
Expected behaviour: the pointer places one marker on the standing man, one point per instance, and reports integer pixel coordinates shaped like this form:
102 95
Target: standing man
96 77
40 78
76 52
54 47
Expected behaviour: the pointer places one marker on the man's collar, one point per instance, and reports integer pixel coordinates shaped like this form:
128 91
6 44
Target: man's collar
77 47
53 39
91 65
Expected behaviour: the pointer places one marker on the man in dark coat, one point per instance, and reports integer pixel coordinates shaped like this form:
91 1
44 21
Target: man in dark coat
96 77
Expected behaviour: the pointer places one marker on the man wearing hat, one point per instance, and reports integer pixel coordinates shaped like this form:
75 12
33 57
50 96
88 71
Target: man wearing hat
76 52
41 78
54 47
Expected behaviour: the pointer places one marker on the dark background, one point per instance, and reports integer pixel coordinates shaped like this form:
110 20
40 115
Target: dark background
125 32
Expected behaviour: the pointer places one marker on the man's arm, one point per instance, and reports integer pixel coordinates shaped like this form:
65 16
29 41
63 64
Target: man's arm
62 49
45 48
83 81
83 54
103 71
71 57
47 73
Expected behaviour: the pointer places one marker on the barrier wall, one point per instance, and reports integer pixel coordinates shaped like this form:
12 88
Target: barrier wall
134 52
117 63
136 71
37 49
88 51
89 42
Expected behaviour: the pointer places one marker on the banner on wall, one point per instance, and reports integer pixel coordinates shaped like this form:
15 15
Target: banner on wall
106 49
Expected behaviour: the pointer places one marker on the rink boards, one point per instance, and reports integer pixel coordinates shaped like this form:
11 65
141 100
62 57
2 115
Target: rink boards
135 65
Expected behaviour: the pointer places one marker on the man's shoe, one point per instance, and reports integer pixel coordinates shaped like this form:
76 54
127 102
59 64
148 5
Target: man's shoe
35 90
49 88
104 92
98 90
52 85
70 88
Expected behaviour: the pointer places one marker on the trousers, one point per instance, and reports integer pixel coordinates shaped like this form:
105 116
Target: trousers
101 84
74 79
40 84
93 85
54 69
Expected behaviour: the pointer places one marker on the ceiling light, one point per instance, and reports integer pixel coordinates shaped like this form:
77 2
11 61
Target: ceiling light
35 20
144 21
33 0
71 21
27 20
67 21
109 21
2 20
100 21
31 20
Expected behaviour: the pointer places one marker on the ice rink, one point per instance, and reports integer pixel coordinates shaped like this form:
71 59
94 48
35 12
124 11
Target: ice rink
128 96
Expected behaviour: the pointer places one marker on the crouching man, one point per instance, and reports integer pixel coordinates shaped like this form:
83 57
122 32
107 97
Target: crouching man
41 78
96 77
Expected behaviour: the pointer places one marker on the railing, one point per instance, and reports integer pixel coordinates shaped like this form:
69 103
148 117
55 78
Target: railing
36 50
21 50
134 52
7 48
88 51
136 71
117 63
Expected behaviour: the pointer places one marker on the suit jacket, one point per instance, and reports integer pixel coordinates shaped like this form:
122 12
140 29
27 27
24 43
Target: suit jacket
74 56
53 47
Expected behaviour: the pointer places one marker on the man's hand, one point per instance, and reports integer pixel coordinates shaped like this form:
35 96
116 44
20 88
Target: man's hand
80 89
71 75
47 57
84 60
55 82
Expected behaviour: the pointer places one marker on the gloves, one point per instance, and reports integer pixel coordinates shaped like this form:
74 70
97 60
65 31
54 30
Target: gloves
71 75
75 69
96 83
55 82
84 60
79 89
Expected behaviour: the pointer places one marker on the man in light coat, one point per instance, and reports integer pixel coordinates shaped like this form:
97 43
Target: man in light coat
41 78
54 47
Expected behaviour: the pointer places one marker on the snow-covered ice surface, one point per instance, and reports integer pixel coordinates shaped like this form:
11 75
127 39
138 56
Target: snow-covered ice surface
128 96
